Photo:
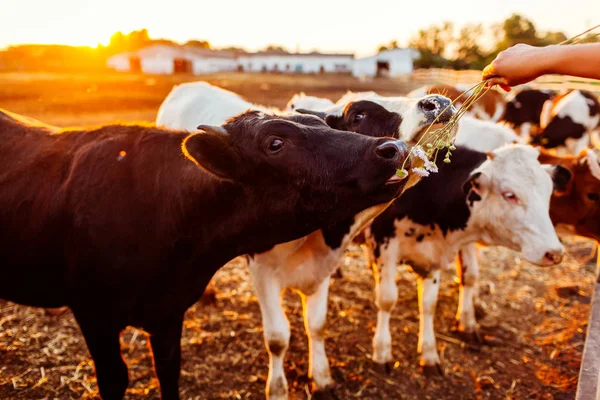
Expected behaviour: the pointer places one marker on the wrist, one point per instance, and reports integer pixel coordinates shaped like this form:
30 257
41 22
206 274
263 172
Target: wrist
548 59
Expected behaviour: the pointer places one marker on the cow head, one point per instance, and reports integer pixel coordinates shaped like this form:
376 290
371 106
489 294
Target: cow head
566 121
525 107
509 196
299 163
398 117
578 204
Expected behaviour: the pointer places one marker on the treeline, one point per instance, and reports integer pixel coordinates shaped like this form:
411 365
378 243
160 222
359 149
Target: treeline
447 46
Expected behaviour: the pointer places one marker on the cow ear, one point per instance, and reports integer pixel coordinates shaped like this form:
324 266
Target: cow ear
561 176
591 159
473 183
319 114
212 151
336 122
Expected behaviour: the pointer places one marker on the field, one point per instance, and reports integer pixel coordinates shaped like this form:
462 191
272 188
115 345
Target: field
535 324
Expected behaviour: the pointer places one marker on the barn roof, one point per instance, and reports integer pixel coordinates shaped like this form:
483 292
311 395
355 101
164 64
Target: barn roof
288 54
182 52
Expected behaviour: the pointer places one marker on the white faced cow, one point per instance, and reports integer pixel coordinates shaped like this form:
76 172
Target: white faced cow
306 264
499 200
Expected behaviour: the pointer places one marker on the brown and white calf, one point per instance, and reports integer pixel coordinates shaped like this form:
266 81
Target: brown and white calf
127 224
501 199
306 264
573 209
490 107
567 122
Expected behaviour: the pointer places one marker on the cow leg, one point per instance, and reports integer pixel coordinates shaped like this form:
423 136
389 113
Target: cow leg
467 270
386 295
276 329
103 343
428 293
315 317
165 341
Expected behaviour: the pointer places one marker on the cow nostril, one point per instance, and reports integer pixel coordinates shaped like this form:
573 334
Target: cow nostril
555 256
428 105
388 150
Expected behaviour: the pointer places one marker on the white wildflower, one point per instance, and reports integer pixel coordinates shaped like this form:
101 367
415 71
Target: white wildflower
431 167
421 172
419 152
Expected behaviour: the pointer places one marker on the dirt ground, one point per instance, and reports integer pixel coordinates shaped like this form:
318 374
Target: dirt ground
537 317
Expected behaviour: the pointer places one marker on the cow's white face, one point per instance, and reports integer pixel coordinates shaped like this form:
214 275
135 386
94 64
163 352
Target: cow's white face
416 113
509 196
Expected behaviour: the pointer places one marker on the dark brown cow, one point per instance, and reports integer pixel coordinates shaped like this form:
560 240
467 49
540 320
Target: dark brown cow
127 224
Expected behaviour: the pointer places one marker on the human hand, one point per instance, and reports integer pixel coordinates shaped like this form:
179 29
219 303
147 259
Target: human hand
517 65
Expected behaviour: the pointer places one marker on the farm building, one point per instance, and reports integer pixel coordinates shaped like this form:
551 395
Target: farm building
163 59
281 61
386 63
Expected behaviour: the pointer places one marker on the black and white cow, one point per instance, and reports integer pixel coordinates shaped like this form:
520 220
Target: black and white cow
501 199
127 224
567 122
524 107
306 264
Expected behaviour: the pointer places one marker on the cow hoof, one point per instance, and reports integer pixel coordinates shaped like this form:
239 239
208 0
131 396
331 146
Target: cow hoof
328 393
384 368
480 312
471 337
431 371
56 311
209 297
338 273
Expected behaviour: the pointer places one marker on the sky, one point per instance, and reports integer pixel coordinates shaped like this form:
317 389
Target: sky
354 26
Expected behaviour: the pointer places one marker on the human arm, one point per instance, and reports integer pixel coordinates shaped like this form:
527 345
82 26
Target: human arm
523 63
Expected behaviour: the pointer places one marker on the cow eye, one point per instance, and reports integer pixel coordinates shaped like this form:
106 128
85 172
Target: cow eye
275 146
593 196
510 197
358 117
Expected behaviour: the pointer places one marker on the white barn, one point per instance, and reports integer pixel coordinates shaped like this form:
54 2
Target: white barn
392 62
281 61
165 59
168 59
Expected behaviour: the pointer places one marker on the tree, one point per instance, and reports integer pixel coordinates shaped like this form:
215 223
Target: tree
391 45
275 47
135 40
199 44
469 53
431 43
590 38
519 29
552 38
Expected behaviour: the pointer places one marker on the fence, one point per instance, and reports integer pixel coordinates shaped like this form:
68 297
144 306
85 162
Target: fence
471 77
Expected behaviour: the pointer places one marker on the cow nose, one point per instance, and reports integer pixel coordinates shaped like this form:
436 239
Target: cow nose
392 150
553 257
436 106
